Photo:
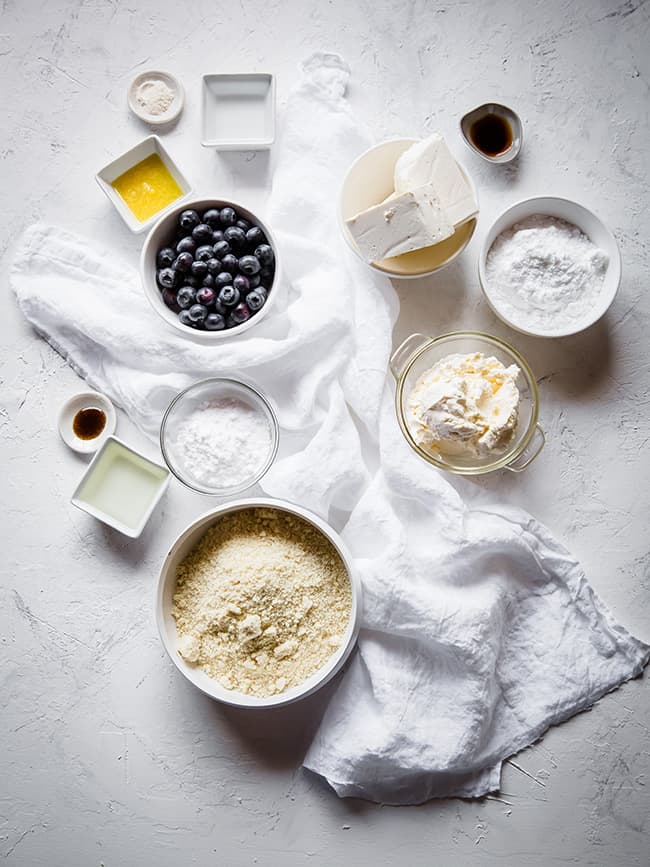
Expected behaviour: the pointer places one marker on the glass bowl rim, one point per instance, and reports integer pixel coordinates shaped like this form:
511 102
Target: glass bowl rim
275 435
503 460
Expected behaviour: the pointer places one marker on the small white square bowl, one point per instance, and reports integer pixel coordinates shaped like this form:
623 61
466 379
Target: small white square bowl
96 474
238 111
147 147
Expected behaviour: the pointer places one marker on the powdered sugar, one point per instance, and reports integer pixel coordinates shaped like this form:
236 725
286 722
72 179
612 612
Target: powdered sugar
223 443
544 274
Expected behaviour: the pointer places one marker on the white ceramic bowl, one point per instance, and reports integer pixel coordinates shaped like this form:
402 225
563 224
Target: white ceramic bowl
148 146
587 222
370 179
238 111
159 236
174 109
167 625
67 413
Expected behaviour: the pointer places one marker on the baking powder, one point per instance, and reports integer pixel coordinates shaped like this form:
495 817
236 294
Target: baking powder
154 96
223 443
544 274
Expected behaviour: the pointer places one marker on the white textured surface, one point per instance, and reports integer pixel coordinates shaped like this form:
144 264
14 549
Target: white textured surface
109 756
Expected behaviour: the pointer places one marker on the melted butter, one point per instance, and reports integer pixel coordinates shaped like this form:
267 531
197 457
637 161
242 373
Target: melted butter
147 187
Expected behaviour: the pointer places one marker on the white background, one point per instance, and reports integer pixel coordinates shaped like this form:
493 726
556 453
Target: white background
109 756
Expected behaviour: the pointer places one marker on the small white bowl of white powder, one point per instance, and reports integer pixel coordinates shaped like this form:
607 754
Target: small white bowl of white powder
156 97
219 436
549 267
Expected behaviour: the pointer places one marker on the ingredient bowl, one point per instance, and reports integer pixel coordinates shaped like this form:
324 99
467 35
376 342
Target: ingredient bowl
215 395
139 110
493 131
187 540
370 179
238 111
149 147
589 224
121 487
164 232
418 353
69 418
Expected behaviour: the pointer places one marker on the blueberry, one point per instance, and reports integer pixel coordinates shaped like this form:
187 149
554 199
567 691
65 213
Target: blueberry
169 297
185 297
200 269
265 254
242 283
240 314
190 280
211 217
186 245
230 263
242 224
236 237
255 236
205 296
202 233
208 281
203 253
227 217
267 274
183 262
221 249
229 296
165 257
256 299
185 319
220 307
167 278
217 236
249 265
197 312
254 281
214 322
188 220
223 278
214 266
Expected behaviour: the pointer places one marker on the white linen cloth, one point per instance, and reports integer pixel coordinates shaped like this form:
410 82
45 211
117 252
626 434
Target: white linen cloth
479 629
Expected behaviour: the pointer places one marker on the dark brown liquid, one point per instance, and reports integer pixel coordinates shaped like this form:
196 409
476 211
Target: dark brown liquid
491 134
89 423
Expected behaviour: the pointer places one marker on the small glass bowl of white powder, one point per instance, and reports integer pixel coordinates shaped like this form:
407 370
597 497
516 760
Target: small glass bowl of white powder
219 436
549 267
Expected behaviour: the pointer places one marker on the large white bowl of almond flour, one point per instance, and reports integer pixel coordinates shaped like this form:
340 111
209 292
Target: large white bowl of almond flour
549 267
258 603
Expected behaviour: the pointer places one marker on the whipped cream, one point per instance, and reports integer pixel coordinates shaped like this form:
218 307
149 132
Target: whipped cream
465 405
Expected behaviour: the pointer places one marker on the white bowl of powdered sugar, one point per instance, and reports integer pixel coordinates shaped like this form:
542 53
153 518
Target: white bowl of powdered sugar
549 267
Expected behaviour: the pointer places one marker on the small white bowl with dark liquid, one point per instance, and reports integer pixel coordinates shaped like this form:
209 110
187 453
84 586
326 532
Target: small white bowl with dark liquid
493 131
86 421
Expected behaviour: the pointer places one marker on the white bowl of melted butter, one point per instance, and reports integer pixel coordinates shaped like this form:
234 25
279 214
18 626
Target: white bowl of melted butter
467 402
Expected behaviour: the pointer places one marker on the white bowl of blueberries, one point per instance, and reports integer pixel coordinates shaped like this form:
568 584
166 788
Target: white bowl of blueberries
209 268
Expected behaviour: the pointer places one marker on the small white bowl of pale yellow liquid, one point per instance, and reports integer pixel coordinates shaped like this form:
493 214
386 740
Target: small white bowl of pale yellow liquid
143 183
121 487
371 181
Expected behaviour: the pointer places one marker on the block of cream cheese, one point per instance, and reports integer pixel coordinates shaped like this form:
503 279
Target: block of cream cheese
403 222
431 162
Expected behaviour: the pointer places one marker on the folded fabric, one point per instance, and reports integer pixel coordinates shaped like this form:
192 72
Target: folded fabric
479 629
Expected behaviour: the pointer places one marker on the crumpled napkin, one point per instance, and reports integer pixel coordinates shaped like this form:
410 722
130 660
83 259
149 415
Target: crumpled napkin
479 629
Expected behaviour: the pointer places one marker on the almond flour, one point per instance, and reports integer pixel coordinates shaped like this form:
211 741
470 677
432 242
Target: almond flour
262 602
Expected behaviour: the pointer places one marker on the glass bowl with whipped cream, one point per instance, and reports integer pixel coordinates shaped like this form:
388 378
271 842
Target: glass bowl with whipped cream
467 402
